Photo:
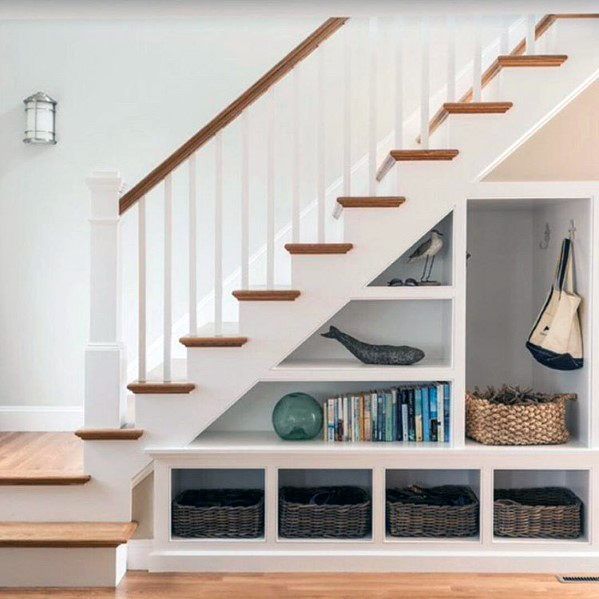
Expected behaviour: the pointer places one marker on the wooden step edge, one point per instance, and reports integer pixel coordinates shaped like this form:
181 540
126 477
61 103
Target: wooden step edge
266 295
46 480
160 388
477 107
109 434
413 156
531 60
213 341
66 534
318 248
371 202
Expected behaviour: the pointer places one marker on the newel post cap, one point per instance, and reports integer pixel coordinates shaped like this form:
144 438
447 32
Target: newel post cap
106 187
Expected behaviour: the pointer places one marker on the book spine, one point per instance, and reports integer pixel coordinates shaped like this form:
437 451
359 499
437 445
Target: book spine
447 411
404 416
411 416
325 421
426 416
418 414
389 419
382 416
440 414
394 415
432 401
332 405
339 435
367 419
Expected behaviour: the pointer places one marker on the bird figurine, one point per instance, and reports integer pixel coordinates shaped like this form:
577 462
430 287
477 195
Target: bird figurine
389 355
428 250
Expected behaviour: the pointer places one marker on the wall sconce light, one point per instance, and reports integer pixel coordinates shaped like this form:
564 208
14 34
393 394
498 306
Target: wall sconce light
40 112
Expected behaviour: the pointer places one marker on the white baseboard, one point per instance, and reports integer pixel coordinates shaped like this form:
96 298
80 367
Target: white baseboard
138 554
41 418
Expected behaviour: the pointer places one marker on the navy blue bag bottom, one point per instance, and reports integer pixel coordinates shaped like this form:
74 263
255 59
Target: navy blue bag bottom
553 360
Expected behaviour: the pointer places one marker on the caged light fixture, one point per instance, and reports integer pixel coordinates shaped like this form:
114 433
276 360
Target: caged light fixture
40 113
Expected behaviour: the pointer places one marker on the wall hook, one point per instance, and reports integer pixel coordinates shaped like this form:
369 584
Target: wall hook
546 237
572 230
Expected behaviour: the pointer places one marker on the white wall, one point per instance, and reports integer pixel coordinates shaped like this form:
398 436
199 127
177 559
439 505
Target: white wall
129 93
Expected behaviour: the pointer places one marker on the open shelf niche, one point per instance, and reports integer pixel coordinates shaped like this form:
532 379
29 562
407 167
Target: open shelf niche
248 423
442 271
509 274
425 324
576 481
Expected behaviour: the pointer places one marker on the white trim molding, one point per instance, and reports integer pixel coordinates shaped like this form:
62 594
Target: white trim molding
41 418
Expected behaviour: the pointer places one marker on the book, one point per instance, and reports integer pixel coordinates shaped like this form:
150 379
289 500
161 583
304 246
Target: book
432 406
426 416
375 416
394 415
411 416
447 411
418 414
367 418
440 412
404 415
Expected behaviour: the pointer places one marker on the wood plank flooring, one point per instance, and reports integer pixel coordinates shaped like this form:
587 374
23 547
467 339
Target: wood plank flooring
325 586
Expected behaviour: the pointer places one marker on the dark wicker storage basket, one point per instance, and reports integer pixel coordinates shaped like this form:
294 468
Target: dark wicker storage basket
299 518
546 512
525 424
219 521
418 520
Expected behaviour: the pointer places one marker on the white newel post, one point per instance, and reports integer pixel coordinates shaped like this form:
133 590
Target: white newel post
104 356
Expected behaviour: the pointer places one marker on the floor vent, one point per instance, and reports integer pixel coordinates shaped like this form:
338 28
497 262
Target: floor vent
571 579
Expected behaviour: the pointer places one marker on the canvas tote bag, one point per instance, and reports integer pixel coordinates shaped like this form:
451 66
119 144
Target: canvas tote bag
555 340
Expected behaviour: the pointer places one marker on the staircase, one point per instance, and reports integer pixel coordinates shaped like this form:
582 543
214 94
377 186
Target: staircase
399 188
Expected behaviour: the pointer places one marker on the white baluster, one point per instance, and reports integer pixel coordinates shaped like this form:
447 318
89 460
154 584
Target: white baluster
193 241
347 97
320 148
424 84
295 160
530 34
451 96
168 274
245 200
476 63
218 235
372 105
141 290
270 192
398 141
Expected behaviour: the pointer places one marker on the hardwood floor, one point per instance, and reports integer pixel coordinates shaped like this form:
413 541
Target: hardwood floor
40 453
326 586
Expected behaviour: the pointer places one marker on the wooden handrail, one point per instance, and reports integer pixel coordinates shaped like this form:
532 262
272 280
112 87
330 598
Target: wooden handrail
221 120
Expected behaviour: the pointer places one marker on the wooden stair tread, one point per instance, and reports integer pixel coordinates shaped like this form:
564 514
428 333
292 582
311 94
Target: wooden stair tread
65 534
266 295
477 107
318 248
413 156
371 201
213 341
109 434
158 387
532 60
44 478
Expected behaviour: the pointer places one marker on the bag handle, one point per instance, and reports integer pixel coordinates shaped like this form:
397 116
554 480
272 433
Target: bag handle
560 268
566 268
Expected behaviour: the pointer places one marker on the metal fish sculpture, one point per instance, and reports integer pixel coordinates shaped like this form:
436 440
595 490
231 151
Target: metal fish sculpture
390 355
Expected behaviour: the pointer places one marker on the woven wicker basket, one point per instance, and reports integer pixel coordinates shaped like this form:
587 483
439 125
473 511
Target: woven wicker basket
547 512
239 522
417 520
526 424
328 521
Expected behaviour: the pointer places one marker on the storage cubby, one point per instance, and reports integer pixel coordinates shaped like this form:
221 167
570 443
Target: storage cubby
208 518
576 481
414 523
509 273
249 420
320 515
424 324
403 268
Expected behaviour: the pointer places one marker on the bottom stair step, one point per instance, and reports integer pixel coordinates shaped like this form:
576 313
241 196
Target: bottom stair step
266 295
371 201
47 479
65 534
318 248
160 388
213 341
109 434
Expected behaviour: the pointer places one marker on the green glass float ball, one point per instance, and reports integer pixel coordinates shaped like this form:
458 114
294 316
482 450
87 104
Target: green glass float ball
297 417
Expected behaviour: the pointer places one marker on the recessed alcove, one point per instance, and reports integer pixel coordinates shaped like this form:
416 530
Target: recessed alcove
424 324
514 246
442 269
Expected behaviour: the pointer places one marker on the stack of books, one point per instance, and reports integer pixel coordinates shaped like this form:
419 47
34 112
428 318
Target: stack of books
418 413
